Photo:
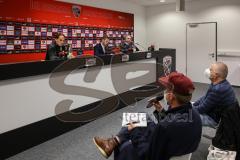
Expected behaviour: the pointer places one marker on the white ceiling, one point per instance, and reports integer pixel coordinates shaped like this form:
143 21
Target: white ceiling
153 2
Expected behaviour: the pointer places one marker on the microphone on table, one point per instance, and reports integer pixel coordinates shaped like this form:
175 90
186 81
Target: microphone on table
138 44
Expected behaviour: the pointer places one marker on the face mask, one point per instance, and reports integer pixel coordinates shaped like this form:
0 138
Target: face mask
207 73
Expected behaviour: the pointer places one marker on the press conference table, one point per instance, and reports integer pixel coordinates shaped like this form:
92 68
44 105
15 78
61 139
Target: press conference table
18 70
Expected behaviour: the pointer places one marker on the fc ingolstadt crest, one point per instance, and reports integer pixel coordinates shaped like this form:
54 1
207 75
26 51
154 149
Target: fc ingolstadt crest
76 10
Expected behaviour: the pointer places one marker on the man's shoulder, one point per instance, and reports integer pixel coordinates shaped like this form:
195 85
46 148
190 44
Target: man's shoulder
186 115
52 46
222 87
123 44
98 45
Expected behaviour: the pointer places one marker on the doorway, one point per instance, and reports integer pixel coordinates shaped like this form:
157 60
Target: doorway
201 48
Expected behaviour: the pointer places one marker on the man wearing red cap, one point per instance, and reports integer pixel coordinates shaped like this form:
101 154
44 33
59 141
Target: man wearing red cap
178 131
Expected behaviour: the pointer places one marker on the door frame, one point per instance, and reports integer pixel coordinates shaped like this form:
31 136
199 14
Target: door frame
187 39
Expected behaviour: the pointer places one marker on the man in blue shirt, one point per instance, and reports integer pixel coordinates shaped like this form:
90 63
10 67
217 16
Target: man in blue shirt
177 133
220 94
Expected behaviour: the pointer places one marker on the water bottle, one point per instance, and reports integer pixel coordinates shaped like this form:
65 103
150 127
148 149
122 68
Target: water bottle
69 51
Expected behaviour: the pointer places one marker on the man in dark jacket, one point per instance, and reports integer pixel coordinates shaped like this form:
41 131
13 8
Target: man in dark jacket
178 131
101 48
127 46
220 94
57 50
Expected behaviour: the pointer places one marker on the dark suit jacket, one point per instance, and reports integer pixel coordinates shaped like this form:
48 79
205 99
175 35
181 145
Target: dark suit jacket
98 50
127 48
54 52
178 132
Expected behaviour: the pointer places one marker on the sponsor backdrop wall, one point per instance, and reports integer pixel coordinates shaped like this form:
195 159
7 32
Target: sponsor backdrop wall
34 100
25 34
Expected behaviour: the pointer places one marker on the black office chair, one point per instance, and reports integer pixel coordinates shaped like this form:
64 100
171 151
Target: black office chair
228 132
227 135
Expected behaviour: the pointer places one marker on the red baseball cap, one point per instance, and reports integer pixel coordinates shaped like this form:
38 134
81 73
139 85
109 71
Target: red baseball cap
178 82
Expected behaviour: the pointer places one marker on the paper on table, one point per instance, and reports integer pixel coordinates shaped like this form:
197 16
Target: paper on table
139 119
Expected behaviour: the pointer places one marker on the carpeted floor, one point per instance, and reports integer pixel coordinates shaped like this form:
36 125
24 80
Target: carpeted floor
78 145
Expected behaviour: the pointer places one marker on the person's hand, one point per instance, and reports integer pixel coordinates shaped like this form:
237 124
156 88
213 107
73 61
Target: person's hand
131 126
158 106
70 56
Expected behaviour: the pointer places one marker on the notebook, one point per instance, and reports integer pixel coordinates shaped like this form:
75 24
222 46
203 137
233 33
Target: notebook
138 119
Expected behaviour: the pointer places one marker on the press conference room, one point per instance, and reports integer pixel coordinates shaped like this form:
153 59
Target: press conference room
119 79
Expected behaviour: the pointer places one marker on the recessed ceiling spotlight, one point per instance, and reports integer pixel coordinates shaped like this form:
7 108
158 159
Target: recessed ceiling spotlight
162 0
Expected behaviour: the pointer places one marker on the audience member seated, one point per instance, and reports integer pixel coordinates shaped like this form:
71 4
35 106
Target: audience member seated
220 94
57 50
102 47
178 131
127 46
227 139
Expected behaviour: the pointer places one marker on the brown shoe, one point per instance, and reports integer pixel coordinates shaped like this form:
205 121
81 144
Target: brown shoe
106 146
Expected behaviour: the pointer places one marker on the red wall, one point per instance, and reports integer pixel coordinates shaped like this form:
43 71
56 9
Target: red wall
53 12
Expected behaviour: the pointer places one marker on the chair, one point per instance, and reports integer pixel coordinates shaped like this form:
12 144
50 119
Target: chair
183 157
209 132
227 135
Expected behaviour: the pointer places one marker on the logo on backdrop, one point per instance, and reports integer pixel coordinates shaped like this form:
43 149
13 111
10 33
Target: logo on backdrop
167 65
119 80
76 10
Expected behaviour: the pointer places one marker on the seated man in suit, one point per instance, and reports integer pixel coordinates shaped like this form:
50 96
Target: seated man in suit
101 48
219 94
128 46
178 131
57 50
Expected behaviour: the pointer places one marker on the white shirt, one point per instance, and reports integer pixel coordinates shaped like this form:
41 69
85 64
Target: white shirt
103 47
